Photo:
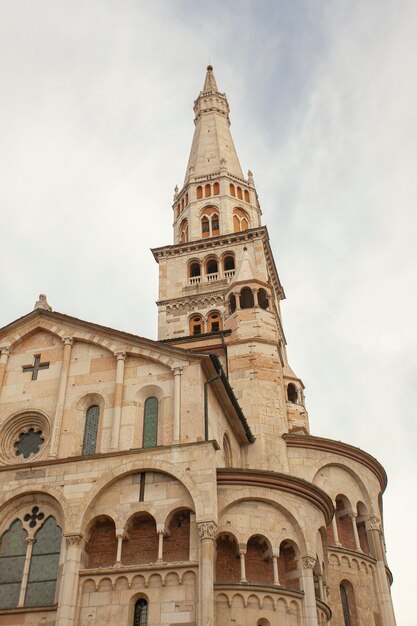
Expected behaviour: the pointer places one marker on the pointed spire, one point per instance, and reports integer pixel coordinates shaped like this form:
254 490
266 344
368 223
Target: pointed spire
210 82
245 271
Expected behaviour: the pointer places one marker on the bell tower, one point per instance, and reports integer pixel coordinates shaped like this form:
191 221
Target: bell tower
219 289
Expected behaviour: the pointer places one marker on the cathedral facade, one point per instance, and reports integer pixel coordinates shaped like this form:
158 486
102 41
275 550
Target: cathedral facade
176 482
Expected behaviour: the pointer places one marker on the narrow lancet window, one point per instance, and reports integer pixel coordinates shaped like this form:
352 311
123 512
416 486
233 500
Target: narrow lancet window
150 423
91 430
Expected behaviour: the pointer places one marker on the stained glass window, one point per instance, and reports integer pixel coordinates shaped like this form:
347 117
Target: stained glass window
44 563
141 613
150 423
29 443
12 559
91 429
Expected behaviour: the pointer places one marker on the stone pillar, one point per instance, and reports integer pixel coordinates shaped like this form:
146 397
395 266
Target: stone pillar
59 411
69 583
160 529
275 568
206 531
335 531
321 588
120 537
355 532
177 403
242 553
382 585
4 355
237 297
29 547
309 603
118 397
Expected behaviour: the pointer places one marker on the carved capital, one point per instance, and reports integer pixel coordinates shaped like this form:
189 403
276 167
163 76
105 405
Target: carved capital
177 371
73 540
30 539
207 530
374 522
68 341
5 350
121 356
309 561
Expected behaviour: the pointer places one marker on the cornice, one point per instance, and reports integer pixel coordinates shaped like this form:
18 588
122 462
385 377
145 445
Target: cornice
279 482
340 448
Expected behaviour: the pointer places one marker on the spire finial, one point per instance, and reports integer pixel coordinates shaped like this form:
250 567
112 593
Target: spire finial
210 82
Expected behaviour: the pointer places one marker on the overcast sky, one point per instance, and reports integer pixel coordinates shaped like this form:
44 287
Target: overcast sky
96 125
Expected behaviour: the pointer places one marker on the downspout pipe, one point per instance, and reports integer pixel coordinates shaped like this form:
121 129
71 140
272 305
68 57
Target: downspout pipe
206 384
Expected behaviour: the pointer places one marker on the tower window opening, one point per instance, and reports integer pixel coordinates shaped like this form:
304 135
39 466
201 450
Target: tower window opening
196 325
232 303
184 231
240 220
216 189
229 264
91 430
207 191
239 193
347 597
186 199
195 270
182 204
215 225
246 298
263 299
205 226
199 192
214 322
292 393
247 196
212 267
232 190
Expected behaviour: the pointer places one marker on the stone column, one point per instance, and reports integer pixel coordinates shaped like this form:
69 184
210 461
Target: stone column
321 588
237 298
120 536
29 547
382 585
161 534
69 582
177 403
60 403
275 568
4 355
335 531
355 532
206 531
242 554
118 397
309 603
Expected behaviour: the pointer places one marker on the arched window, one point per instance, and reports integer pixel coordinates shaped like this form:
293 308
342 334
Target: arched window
214 322
228 263
292 393
232 303
207 191
184 231
216 189
210 222
141 613
199 192
232 190
239 193
90 430
263 299
186 199
41 558
348 604
246 195
240 220
196 325
195 270
150 422
211 266
246 298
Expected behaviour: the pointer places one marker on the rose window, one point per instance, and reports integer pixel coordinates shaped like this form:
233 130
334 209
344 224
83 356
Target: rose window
29 443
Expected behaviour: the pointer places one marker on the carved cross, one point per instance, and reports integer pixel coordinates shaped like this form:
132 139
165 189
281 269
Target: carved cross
36 367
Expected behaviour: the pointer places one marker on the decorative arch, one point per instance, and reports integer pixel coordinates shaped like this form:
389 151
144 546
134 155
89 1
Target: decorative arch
183 231
263 300
240 220
259 567
209 221
359 482
101 547
227 558
214 322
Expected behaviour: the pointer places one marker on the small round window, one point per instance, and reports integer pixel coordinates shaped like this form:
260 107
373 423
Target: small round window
29 442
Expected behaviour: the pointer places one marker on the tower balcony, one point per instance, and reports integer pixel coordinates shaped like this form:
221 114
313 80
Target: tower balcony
212 278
